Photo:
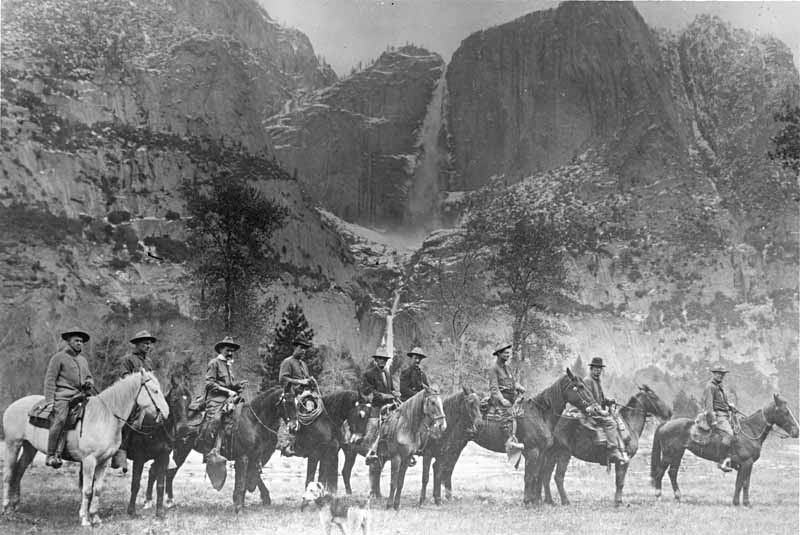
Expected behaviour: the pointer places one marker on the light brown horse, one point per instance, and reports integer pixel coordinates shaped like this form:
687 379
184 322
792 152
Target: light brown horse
92 443
573 439
673 438
406 431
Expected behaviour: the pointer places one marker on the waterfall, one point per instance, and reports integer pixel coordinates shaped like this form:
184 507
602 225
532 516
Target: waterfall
390 326
423 195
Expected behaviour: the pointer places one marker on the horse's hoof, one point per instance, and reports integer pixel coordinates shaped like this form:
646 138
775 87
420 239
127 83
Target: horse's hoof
96 520
746 504
677 496
397 507
147 505
85 523
266 502
169 504
132 513
437 501
658 494
161 514
565 502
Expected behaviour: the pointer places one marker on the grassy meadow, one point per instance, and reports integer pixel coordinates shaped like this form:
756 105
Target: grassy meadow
487 499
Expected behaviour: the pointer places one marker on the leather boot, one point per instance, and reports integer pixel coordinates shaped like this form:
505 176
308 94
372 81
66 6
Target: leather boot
725 465
53 461
214 456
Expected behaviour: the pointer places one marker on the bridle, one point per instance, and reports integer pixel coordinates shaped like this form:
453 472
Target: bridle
281 402
142 385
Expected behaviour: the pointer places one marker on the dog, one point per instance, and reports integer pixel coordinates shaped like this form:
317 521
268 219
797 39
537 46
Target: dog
350 517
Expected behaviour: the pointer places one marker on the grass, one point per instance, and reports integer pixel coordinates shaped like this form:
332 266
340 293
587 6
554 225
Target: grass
488 500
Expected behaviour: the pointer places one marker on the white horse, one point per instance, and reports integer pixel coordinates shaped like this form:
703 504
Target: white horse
93 442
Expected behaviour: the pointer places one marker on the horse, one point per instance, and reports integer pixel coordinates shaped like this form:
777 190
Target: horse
673 438
462 412
350 407
574 439
156 444
406 431
255 436
92 443
535 427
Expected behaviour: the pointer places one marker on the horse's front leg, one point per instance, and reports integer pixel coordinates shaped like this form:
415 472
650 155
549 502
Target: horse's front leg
96 480
533 464
263 491
375 470
674 465
311 470
136 478
347 469
159 466
747 468
562 462
179 455
620 470
401 476
394 469
330 461
548 464
239 484
426 467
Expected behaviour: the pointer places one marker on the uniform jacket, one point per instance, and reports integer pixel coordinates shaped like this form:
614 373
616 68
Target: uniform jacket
66 373
292 368
501 383
132 362
218 373
412 380
596 389
381 383
714 398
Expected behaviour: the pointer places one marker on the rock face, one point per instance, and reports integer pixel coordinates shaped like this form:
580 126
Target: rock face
107 108
354 145
668 135
532 94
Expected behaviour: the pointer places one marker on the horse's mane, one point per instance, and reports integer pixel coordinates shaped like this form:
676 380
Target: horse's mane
410 414
552 398
453 406
339 403
120 390
266 397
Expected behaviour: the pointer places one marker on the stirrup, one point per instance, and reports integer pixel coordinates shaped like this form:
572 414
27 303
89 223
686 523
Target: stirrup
53 461
412 461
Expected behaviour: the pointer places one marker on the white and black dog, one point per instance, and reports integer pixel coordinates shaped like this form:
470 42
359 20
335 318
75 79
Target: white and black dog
349 516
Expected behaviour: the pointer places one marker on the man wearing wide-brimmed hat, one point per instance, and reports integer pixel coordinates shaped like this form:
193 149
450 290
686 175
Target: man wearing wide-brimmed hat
503 390
377 382
413 379
220 387
718 412
601 420
134 360
295 378
67 376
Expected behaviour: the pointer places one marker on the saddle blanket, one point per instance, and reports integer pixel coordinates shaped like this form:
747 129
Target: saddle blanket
41 413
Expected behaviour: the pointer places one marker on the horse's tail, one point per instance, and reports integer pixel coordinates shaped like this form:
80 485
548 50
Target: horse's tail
655 456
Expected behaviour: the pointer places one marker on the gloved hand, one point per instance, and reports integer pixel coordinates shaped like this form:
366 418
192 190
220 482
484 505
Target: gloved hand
87 387
506 403
520 388
732 407
610 402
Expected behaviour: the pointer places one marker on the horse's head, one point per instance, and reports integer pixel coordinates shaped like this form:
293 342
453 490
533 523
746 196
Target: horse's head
178 399
472 403
778 413
652 404
287 409
358 416
150 398
434 411
576 392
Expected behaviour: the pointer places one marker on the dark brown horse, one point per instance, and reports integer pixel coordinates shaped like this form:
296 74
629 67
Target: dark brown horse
462 412
254 441
535 427
573 439
155 443
405 432
673 438
318 439
344 406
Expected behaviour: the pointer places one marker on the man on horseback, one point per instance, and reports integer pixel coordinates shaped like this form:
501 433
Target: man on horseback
718 413
413 379
503 390
132 362
378 381
221 391
603 417
295 380
67 378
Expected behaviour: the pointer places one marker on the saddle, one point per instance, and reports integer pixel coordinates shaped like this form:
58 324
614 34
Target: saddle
41 413
494 413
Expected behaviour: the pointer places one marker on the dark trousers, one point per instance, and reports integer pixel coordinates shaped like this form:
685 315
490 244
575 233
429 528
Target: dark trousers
58 418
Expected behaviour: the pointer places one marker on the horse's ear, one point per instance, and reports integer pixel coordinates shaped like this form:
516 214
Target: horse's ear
777 398
466 389
570 374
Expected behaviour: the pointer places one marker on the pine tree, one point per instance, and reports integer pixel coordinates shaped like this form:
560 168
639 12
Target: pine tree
293 324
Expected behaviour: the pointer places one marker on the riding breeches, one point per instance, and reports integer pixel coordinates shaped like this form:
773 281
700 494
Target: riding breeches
723 424
58 418
609 431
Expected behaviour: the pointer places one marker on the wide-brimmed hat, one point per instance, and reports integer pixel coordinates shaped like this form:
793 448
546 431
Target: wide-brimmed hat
380 353
73 331
597 362
302 341
227 341
417 352
719 368
142 336
501 349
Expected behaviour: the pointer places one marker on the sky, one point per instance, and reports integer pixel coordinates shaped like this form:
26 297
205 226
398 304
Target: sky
345 32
